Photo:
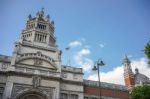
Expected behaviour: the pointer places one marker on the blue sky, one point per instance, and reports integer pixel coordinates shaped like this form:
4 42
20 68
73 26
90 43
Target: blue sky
106 29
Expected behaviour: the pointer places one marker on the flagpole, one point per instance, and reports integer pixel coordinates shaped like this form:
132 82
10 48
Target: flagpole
68 61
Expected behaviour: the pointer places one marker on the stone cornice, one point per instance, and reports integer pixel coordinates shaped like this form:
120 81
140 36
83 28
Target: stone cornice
72 72
15 73
28 44
71 82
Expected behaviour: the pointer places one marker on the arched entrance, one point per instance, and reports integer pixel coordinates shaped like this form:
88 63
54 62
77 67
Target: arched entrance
32 95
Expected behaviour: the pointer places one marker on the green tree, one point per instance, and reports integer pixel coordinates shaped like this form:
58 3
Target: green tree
147 51
140 92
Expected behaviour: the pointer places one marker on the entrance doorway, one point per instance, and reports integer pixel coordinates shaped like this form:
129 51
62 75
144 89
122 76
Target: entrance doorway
33 95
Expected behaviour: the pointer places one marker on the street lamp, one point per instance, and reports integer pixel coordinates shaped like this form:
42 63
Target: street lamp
96 68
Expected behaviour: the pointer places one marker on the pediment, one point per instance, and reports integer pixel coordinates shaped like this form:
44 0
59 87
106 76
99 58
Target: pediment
37 60
38 63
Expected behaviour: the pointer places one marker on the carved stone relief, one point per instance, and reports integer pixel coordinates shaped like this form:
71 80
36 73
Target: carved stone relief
21 91
36 81
4 66
38 61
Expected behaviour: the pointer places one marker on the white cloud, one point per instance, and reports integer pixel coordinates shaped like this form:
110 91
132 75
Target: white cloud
82 60
101 45
142 66
84 52
75 43
87 64
116 75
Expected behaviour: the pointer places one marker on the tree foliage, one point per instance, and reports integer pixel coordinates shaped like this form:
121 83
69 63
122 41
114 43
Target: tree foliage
147 51
140 92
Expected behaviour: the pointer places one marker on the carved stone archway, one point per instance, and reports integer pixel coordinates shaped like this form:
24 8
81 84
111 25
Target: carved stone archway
32 95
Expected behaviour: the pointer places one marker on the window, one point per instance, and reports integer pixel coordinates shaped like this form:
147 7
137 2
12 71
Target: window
1 96
1 92
85 97
42 27
63 96
74 96
94 98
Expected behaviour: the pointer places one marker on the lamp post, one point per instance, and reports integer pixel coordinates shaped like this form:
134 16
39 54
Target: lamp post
97 68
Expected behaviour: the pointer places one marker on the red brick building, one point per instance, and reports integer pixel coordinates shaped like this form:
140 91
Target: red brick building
108 90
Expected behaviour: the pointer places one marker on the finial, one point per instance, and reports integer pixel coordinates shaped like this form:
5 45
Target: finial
126 60
136 70
125 56
29 17
42 11
52 22
37 13
48 16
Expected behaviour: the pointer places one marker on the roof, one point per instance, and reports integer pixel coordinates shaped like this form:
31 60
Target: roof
5 58
140 78
105 85
71 69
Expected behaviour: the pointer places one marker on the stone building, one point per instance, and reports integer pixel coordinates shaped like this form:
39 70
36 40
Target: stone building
132 80
34 71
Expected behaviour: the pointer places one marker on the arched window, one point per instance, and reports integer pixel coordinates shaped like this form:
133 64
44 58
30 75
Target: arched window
32 95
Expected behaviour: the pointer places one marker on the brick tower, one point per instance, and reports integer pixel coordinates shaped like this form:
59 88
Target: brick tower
128 74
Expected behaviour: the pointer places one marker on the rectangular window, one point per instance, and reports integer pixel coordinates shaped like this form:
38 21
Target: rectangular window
94 98
1 96
63 96
74 96
85 97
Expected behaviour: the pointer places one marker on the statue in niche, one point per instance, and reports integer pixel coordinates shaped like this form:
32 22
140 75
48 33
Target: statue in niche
36 81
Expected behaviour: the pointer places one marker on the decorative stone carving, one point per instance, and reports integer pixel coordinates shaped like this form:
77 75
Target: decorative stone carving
4 66
38 61
36 81
20 90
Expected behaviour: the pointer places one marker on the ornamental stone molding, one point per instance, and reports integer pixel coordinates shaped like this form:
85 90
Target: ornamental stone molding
36 80
21 90
37 57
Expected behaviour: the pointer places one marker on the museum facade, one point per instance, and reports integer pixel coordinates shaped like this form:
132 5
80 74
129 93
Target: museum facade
35 71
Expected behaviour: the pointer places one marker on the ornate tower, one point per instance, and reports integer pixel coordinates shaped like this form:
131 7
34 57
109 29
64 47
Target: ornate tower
128 74
37 45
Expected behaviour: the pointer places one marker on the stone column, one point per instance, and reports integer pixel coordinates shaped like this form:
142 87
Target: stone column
8 88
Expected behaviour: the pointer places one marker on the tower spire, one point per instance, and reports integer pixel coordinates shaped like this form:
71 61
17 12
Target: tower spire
128 74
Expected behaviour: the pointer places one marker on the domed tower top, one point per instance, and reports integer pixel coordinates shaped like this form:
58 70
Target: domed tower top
141 78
